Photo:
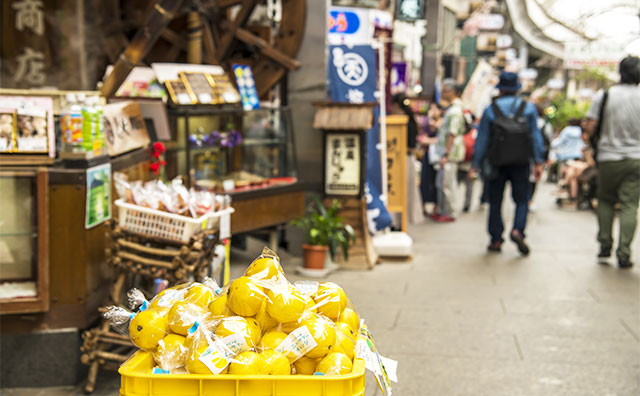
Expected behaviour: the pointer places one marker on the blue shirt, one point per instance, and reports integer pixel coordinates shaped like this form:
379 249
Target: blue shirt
569 144
506 104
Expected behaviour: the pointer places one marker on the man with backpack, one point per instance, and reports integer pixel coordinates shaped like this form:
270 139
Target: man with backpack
614 123
508 141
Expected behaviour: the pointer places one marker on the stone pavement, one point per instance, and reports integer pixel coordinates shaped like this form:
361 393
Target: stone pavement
464 322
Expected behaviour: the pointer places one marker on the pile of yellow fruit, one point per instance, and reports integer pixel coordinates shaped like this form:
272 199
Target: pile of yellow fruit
259 325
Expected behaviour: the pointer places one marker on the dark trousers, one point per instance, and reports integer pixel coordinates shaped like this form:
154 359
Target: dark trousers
427 180
518 176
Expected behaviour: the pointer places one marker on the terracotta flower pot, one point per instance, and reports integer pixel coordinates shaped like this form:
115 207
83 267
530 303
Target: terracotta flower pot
314 256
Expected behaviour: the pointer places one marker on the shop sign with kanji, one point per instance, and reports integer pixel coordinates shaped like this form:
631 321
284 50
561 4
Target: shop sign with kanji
342 164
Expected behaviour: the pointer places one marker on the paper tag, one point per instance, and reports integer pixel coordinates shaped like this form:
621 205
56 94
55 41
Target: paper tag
234 344
33 143
225 226
214 360
310 288
184 98
298 343
391 367
205 98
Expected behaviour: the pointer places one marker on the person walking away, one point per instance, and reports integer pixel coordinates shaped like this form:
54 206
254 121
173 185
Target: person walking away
450 148
400 105
428 173
508 140
614 121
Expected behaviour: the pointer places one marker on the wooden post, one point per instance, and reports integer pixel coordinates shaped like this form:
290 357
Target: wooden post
194 46
397 166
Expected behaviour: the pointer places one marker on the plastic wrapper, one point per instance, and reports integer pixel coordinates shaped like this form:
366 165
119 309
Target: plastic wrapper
259 324
173 197
335 363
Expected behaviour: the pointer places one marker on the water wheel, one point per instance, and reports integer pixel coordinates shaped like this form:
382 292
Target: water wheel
203 31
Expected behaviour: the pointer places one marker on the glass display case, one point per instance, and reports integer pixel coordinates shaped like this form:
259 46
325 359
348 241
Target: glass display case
23 241
232 150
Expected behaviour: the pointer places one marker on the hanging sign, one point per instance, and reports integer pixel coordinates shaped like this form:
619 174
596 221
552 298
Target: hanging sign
342 164
349 25
352 73
246 87
410 10
124 127
353 79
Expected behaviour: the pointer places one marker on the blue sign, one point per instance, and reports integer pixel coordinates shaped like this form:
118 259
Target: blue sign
246 87
343 22
353 79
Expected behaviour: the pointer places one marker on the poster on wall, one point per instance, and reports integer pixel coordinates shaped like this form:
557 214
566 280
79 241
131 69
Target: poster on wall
98 200
342 164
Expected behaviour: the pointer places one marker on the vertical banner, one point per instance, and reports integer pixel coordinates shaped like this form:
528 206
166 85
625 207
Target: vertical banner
353 79
98 200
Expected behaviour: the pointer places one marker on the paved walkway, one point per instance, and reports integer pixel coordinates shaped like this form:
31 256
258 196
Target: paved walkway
463 322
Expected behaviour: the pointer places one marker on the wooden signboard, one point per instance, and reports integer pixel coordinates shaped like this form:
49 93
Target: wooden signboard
397 166
124 127
343 162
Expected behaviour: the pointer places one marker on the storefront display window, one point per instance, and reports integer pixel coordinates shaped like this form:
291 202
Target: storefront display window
23 241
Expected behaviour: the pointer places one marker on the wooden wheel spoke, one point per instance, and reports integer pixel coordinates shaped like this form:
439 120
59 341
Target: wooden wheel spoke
267 49
241 18
227 3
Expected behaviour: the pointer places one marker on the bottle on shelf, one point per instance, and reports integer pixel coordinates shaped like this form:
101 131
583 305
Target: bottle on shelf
71 125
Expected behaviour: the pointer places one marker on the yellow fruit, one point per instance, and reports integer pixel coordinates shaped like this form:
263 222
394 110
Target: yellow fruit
285 304
344 344
147 328
245 297
331 300
172 352
350 317
335 363
291 326
271 339
218 307
238 325
248 363
346 329
323 333
277 363
306 365
265 320
199 294
196 366
309 304
264 268
183 315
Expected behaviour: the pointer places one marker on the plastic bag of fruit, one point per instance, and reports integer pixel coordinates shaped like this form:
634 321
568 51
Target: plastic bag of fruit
259 323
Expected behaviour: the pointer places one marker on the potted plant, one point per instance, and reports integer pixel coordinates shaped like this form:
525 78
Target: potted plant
324 231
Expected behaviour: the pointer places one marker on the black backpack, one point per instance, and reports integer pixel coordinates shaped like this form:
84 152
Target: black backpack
510 138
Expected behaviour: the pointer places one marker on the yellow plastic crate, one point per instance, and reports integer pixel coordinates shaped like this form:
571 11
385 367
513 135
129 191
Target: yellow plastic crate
137 380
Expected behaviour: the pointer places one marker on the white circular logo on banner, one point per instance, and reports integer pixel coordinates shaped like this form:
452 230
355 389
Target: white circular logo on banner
352 68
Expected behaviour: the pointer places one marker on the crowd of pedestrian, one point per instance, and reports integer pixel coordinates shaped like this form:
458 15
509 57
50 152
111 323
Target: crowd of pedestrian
595 161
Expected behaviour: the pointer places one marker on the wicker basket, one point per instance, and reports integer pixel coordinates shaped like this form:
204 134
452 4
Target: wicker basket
158 224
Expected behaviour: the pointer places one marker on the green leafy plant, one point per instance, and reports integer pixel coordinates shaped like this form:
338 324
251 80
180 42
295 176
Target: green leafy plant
324 227
567 109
